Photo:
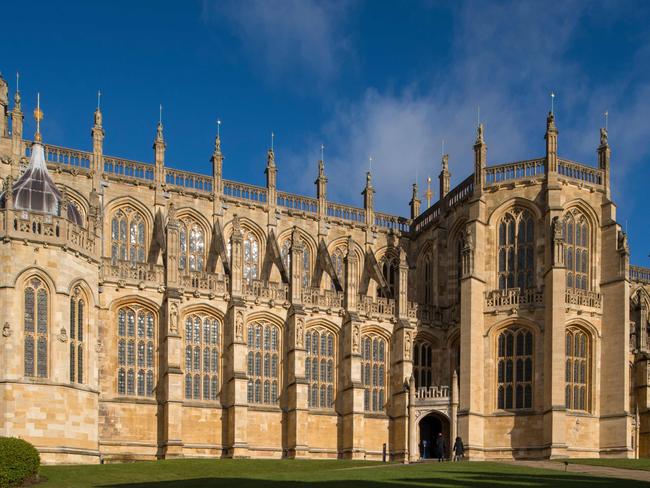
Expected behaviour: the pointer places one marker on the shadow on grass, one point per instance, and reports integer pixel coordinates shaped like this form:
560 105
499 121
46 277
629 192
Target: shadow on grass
439 478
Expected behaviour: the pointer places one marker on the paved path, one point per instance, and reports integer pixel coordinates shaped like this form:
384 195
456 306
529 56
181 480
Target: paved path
630 474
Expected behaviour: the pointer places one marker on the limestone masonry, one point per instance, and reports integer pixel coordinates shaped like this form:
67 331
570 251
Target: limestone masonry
149 312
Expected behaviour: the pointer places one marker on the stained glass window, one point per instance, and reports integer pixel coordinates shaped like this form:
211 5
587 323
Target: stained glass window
577 370
191 247
389 272
76 332
319 367
202 340
516 248
422 364
251 256
127 236
263 363
135 351
36 309
373 372
576 244
515 369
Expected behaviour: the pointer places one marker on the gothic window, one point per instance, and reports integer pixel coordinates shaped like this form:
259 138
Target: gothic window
263 363
77 336
577 370
35 323
202 339
338 257
389 272
576 241
515 369
319 367
373 372
422 364
191 244
428 280
516 250
135 351
127 236
285 251
251 256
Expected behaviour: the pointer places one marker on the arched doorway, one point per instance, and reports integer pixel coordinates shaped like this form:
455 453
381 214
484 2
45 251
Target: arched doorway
430 426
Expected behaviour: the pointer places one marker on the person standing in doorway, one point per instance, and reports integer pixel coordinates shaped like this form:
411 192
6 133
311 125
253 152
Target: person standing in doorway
440 447
459 449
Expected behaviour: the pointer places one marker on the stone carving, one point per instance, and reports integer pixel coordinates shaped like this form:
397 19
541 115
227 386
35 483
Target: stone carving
173 319
603 136
6 330
356 338
63 335
171 212
300 332
556 227
407 346
239 326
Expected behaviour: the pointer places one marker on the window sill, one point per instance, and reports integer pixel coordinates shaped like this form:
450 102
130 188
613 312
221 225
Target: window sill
580 413
375 415
264 408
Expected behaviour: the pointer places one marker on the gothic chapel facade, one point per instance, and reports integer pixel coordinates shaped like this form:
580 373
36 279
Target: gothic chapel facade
149 312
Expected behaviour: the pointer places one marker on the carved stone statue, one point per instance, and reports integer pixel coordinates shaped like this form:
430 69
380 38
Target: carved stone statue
300 332
356 338
239 326
556 227
173 319
603 136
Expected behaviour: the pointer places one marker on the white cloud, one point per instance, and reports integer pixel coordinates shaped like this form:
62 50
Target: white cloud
287 34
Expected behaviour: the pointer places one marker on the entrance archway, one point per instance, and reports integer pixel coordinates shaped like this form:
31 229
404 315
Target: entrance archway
429 427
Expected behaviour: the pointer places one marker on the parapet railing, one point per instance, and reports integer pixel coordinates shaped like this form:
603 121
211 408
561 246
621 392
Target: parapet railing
243 191
580 172
322 298
519 170
204 281
45 228
132 272
583 298
376 306
297 202
432 392
456 196
513 297
187 180
640 274
346 212
393 222
57 155
125 168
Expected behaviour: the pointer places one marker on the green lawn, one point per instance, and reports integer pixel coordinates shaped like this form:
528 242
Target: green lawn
321 474
643 464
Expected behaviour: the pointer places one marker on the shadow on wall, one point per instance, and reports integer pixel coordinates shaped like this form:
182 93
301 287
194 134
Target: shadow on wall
439 478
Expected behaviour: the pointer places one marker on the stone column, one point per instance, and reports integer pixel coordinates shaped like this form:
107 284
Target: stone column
414 454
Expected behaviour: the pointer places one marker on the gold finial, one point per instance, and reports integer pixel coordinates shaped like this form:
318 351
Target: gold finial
552 102
218 128
272 139
606 114
428 193
38 116
322 152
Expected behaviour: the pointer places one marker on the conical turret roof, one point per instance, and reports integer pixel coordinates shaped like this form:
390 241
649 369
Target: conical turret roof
35 191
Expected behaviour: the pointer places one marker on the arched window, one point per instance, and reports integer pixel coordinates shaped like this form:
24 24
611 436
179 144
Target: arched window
515 369
422 364
77 336
263 363
338 257
389 272
576 241
191 245
127 236
251 256
427 288
202 339
319 367
35 321
135 351
373 372
577 369
285 251
516 258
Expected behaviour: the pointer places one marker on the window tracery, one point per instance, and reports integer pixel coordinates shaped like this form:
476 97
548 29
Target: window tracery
577 369
515 369
135 351
202 339
422 364
36 325
191 245
319 367
389 272
373 372
576 242
77 336
251 256
263 363
338 260
516 246
127 236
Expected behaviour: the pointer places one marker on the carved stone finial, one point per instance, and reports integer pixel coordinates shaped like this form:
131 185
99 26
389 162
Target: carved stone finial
603 136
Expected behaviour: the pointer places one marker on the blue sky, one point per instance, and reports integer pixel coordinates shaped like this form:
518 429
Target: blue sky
379 78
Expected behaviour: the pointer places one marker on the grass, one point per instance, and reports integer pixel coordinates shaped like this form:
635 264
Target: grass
642 464
246 473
